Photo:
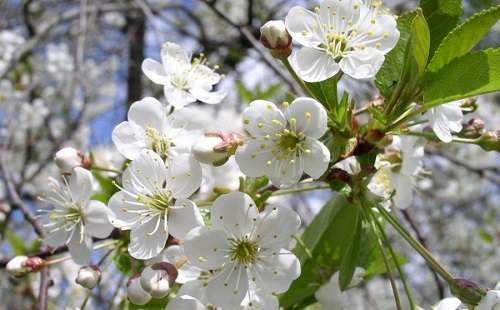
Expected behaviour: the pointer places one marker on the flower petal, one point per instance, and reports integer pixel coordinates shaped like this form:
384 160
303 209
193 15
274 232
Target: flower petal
80 186
362 63
183 217
210 97
149 239
313 65
174 57
174 254
286 172
206 248
129 139
276 271
146 174
275 227
339 14
228 288
252 159
155 71
450 303
316 162
382 34
119 215
262 118
183 175
304 26
178 97
403 185
310 116
56 238
234 212
80 247
148 113
185 302
96 219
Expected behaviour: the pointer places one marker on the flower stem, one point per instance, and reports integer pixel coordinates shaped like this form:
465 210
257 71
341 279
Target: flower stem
433 263
303 245
302 84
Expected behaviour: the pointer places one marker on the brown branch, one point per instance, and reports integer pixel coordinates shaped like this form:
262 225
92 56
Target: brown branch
45 283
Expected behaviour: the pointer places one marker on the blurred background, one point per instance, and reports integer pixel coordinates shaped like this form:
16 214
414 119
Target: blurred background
70 69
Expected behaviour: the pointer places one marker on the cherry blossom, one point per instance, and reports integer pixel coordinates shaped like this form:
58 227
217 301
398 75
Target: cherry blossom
445 119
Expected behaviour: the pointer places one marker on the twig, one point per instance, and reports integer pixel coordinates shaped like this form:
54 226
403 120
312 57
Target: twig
44 289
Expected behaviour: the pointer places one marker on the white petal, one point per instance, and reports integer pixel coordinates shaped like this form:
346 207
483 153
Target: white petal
183 175
174 57
316 163
382 35
178 97
228 288
277 271
175 254
96 219
148 113
310 116
80 248
195 289
263 117
313 65
119 214
234 212
56 238
304 26
338 13
148 239
155 71
450 303
362 63
206 248
185 302
258 299
210 97
403 185
205 75
275 227
252 160
80 186
286 172
183 217
489 302
129 139
146 174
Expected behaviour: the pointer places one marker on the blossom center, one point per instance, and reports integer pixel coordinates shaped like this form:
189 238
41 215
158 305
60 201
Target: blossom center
243 251
336 44
180 81
158 202
159 144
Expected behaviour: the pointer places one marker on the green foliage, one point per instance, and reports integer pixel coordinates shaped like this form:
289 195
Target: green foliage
442 16
463 38
325 91
108 188
470 75
350 259
253 186
16 243
154 304
248 95
123 262
399 79
328 237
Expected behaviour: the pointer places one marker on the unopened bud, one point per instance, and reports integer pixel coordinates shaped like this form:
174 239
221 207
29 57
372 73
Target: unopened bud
215 148
490 141
467 291
135 293
275 37
68 158
22 265
157 279
469 105
473 129
88 276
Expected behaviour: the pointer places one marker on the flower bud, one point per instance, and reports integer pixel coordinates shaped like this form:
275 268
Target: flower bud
275 37
157 279
135 293
88 276
490 141
68 158
469 105
215 148
467 291
473 129
22 265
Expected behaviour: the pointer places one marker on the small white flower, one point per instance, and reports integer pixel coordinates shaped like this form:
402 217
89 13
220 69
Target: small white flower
244 248
174 255
450 303
88 276
184 81
349 35
149 127
284 144
135 293
445 119
75 219
491 301
153 202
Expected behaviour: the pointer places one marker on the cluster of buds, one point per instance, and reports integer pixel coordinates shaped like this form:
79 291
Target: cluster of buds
473 129
69 158
215 147
22 265
276 38
490 141
155 281
88 276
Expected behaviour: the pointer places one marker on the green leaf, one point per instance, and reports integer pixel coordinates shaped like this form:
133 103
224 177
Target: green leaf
463 38
473 74
108 188
400 76
348 264
325 92
442 16
15 242
328 237
123 261
485 236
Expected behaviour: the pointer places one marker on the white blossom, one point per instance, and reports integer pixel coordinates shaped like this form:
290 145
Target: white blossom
74 219
174 255
491 301
153 202
349 35
155 280
244 248
450 303
445 119
184 81
283 144
149 127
